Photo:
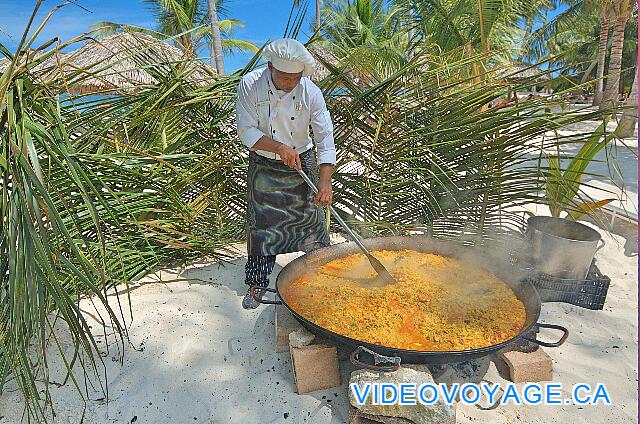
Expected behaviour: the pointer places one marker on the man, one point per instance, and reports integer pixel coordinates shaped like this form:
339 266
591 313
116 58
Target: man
275 107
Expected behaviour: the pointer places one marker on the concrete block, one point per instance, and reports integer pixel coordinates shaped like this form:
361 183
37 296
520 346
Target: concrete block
315 367
528 367
301 338
285 324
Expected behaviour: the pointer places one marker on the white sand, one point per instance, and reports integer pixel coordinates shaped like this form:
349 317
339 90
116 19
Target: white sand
197 356
588 355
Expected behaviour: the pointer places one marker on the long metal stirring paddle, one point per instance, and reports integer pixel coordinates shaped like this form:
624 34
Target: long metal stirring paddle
384 277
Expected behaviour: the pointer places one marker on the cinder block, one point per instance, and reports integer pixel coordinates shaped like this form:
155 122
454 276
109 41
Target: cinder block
315 367
285 324
301 338
528 367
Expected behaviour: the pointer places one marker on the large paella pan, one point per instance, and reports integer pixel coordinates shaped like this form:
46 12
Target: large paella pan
478 273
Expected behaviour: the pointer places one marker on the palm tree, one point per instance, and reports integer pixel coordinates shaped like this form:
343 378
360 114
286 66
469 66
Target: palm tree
621 10
582 31
482 25
366 34
629 119
605 16
317 14
92 221
216 44
190 22
316 26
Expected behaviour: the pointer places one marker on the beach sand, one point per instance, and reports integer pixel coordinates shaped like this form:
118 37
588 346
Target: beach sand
194 355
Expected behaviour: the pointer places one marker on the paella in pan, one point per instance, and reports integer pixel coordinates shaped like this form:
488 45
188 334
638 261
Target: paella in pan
439 303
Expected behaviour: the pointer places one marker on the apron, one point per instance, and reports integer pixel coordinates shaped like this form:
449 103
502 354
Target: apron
282 217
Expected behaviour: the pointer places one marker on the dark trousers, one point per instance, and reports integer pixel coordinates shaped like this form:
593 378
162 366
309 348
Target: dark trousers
258 268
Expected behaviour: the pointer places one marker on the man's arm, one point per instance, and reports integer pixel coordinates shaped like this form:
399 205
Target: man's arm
247 115
325 192
323 134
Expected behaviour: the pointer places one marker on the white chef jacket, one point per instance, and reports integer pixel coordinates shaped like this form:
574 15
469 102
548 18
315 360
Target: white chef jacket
261 109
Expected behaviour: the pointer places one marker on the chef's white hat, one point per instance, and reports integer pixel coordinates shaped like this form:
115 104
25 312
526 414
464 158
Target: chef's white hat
289 55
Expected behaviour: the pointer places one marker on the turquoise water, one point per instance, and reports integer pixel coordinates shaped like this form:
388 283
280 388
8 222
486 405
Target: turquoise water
81 102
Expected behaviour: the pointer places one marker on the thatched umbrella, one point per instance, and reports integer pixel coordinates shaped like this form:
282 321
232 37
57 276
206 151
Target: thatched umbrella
520 71
323 55
517 72
45 66
123 61
128 60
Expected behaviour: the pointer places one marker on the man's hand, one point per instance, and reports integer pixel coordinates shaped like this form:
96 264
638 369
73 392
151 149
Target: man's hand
325 192
289 156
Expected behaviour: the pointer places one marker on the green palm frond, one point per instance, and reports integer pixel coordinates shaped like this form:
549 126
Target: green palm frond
102 191
418 150
562 186
105 29
232 46
576 16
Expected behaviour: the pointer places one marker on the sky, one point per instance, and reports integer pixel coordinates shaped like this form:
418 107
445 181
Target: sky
263 19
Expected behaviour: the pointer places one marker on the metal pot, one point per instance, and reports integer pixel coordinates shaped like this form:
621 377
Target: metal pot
499 266
562 248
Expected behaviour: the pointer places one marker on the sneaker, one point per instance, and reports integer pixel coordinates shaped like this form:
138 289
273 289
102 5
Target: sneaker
248 302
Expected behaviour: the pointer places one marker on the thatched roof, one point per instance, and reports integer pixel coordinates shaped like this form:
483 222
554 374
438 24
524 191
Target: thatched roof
515 71
45 65
125 55
126 61
322 53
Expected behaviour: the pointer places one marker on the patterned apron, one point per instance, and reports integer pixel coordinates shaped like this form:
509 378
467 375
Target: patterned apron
282 217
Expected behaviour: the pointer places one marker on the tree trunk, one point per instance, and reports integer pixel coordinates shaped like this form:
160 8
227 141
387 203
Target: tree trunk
483 36
410 32
602 56
317 14
216 41
588 72
610 95
629 119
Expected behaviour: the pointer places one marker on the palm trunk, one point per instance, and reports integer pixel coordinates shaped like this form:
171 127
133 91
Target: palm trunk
410 32
588 72
216 42
317 14
610 95
483 35
629 119
602 56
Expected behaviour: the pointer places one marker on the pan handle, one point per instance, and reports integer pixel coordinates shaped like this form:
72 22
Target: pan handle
263 301
554 327
392 361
